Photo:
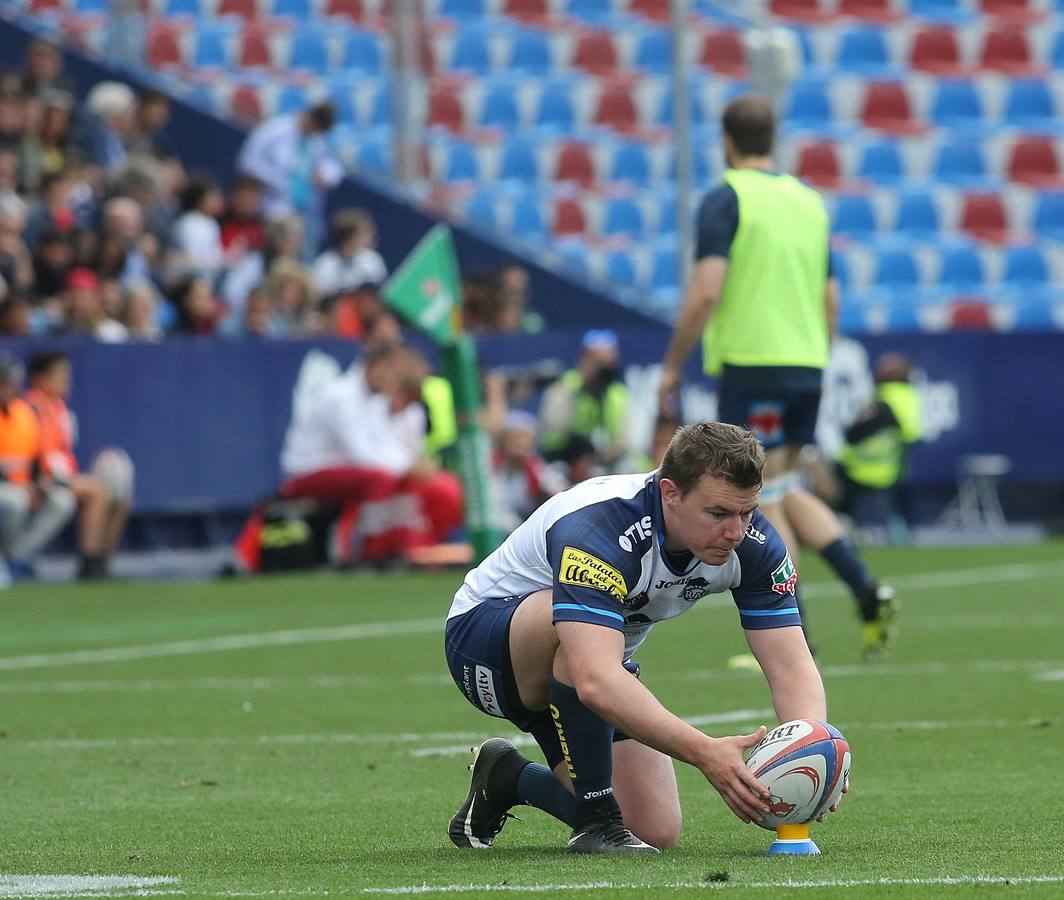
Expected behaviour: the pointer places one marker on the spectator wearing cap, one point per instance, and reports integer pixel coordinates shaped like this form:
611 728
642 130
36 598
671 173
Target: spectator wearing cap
83 310
354 260
290 155
106 126
521 478
590 400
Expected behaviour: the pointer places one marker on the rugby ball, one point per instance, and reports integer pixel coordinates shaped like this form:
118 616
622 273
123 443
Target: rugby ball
804 764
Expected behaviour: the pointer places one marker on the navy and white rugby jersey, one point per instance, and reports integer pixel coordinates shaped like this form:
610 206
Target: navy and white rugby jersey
599 547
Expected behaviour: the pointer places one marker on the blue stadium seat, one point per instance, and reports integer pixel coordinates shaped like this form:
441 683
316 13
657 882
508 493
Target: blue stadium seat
590 10
471 52
462 9
917 215
375 156
1030 103
667 112
667 221
631 163
500 108
1056 54
461 163
852 319
956 102
960 163
809 106
342 98
480 210
854 216
183 8
962 267
300 10
903 314
1025 265
530 52
212 47
309 51
362 53
1049 215
574 255
291 98
381 107
940 10
864 50
881 162
620 270
555 110
840 269
699 166
1034 315
519 162
665 276
623 217
653 53
896 268
91 7
527 219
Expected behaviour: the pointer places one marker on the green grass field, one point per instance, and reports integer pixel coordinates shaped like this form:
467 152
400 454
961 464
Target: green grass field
299 736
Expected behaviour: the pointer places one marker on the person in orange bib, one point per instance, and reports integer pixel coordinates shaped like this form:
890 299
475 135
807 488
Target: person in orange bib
104 495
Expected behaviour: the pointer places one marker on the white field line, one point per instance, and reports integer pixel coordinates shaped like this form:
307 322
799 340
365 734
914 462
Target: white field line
1054 675
703 885
923 581
878 670
82 885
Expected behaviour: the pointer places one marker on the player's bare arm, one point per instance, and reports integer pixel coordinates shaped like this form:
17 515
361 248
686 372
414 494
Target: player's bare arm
590 657
793 678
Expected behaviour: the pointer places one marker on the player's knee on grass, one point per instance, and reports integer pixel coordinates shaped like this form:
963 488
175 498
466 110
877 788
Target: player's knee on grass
659 827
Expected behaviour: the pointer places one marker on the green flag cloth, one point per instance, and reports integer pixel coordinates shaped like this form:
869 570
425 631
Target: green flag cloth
424 289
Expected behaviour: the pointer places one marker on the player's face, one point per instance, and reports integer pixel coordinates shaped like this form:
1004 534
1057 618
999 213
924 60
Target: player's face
710 520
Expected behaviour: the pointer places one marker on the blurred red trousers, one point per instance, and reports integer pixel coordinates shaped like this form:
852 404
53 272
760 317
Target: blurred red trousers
392 514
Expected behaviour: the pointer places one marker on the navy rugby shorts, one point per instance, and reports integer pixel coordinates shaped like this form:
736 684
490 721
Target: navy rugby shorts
779 404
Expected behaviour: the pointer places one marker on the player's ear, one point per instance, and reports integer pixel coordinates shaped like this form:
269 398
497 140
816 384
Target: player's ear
670 493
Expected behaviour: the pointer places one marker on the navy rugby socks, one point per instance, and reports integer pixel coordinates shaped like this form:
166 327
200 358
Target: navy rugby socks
537 786
841 555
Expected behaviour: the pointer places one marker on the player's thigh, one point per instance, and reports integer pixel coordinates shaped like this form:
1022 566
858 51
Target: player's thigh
533 645
644 782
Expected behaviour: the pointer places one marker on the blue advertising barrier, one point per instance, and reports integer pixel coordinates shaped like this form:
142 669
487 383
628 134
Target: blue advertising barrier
204 419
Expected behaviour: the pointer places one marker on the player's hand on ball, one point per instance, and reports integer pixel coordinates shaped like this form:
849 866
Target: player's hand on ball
725 769
835 805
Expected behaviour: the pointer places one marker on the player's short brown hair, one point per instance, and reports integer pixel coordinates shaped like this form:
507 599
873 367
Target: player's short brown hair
750 122
713 448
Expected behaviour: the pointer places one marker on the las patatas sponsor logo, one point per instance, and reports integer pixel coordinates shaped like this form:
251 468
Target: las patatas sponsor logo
578 567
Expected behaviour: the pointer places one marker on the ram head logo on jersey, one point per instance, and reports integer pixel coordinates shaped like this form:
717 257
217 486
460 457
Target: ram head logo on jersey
694 589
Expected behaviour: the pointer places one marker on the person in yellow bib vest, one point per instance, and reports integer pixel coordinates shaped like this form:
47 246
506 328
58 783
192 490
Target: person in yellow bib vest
875 457
764 302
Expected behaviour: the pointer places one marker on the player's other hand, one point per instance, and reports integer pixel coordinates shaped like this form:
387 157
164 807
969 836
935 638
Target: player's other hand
725 769
835 805
668 390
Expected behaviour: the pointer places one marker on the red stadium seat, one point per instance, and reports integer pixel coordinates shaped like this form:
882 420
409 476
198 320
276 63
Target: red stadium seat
722 51
880 10
886 106
245 103
445 109
616 108
969 314
575 163
1034 161
46 6
527 10
1016 10
247 9
799 10
569 218
255 50
985 218
595 52
1005 49
655 10
164 46
348 9
936 50
819 164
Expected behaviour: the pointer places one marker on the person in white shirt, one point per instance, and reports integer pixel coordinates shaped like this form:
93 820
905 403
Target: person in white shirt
196 236
354 261
290 155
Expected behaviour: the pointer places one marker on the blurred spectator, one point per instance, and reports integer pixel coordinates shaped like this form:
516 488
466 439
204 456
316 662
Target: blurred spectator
16 316
590 401
83 310
31 153
140 311
122 241
258 318
283 240
196 239
291 157
197 310
52 262
16 262
150 118
665 426
154 186
9 171
578 460
104 495
354 312
33 507
521 478
294 297
54 136
875 458
106 125
354 260
514 315
480 302
11 122
53 211
44 69
242 222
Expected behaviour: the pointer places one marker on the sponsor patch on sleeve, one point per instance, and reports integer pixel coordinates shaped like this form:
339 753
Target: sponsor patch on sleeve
580 568
785 577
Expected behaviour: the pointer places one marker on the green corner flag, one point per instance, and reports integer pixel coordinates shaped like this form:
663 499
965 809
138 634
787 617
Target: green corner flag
425 291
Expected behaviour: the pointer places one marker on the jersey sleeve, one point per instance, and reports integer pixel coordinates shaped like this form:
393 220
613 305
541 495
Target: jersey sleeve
592 573
766 592
716 223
